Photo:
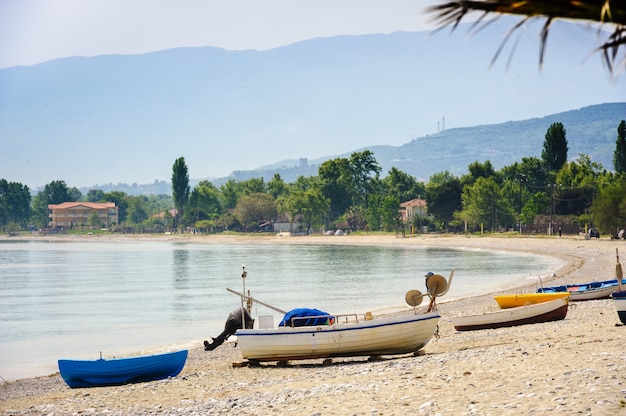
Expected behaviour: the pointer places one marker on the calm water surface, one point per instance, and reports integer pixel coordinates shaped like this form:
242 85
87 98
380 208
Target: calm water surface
80 299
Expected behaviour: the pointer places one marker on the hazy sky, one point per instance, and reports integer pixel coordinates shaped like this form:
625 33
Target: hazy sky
34 31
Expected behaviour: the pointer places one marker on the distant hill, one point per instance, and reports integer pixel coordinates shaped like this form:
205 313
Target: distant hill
590 130
126 119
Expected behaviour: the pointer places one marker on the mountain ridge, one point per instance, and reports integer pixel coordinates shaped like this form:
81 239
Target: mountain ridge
126 118
590 130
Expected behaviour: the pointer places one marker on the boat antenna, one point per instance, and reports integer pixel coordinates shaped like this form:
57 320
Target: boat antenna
244 273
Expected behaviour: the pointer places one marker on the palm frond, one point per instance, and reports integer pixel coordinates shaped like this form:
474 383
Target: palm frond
613 13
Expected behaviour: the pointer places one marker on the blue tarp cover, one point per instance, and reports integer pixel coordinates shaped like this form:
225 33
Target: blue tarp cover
317 317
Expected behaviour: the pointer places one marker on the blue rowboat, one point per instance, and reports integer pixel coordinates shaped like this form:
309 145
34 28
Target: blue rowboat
117 371
585 291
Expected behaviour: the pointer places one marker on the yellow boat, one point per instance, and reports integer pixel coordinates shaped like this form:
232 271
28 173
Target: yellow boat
521 299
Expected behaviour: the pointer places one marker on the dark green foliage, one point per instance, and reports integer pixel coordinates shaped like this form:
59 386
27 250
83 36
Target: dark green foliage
14 203
336 185
444 199
610 207
180 186
95 195
555 149
404 186
619 156
121 201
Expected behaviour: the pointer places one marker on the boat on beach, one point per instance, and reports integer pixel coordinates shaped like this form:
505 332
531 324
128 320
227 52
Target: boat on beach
346 336
515 300
306 333
118 371
619 296
619 301
552 310
585 291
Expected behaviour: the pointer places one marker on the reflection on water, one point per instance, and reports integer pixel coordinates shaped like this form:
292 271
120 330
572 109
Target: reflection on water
181 282
75 299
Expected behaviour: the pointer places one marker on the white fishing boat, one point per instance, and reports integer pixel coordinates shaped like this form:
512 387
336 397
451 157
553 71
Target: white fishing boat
346 336
310 333
553 310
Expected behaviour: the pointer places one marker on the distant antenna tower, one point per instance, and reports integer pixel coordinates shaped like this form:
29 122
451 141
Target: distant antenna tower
443 123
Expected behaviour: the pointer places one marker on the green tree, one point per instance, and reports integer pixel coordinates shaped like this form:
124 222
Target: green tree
356 217
439 178
252 186
554 152
315 208
609 208
167 219
444 198
277 187
390 213
481 170
336 185
94 220
404 186
538 204
57 192
15 202
95 195
484 203
251 210
309 207
364 170
534 174
373 213
180 187
121 200
230 191
204 202
478 170
619 156
137 210
577 182
227 221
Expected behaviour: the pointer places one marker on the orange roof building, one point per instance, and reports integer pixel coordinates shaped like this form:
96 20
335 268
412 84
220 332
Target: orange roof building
415 208
70 214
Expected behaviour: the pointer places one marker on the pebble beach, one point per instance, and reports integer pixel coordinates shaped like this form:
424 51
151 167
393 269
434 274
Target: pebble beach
573 366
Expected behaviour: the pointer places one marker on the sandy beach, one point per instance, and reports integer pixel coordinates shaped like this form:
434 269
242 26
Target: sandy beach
573 366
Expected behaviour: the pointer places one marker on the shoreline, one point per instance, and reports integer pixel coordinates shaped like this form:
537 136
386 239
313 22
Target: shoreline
459 372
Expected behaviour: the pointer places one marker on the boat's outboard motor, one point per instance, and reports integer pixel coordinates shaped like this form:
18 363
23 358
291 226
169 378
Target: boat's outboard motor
233 323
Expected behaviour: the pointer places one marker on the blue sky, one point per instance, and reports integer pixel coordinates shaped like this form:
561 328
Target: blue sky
34 31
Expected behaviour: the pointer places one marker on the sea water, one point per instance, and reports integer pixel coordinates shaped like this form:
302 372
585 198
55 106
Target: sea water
83 300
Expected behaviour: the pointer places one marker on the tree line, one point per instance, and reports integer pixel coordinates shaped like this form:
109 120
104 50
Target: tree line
536 194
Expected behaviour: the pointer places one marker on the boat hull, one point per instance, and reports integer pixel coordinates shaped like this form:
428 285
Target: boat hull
522 299
383 336
94 373
553 310
585 291
619 300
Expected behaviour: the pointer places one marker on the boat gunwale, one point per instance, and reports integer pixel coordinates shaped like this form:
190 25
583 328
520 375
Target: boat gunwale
339 327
